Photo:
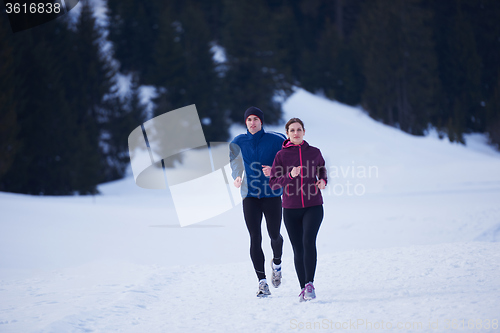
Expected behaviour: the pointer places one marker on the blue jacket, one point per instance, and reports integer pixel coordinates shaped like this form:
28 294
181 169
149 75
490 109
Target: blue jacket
249 153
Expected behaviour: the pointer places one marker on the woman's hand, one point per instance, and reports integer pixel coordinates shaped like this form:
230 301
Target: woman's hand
237 182
295 171
321 184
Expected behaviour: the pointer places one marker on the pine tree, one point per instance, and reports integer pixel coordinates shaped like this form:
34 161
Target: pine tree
328 60
8 116
92 81
307 70
493 116
43 116
168 70
202 81
350 81
122 117
60 84
134 29
326 57
459 70
482 16
253 76
183 69
399 64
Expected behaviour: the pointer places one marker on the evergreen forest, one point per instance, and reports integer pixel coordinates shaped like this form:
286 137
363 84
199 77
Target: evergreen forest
64 122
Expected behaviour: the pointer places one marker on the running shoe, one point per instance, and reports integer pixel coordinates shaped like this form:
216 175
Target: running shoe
276 278
309 292
263 289
301 295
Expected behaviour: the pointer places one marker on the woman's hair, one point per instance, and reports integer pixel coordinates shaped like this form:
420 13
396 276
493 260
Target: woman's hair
294 120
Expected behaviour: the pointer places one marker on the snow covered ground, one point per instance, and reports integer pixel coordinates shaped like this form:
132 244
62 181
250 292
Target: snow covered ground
409 243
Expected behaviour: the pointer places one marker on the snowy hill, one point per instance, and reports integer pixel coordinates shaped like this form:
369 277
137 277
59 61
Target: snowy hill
409 236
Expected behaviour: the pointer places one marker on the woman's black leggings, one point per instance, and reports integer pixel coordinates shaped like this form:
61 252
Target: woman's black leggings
253 208
302 225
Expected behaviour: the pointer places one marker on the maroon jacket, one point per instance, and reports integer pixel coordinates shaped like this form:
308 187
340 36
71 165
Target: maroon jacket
301 191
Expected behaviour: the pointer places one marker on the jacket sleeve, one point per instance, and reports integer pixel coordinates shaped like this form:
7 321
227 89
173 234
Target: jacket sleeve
236 160
279 176
322 172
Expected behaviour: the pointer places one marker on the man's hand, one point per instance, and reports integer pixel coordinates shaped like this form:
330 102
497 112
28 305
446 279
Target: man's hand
266 169
237 182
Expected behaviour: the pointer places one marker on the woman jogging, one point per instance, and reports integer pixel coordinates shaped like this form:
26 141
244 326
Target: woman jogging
252 154
300 170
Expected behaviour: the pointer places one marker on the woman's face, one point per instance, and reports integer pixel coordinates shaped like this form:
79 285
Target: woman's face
296 133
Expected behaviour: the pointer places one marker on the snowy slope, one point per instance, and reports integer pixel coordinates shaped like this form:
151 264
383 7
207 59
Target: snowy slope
407 286
417 243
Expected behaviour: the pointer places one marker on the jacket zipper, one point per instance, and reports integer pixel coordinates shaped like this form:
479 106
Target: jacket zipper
301 178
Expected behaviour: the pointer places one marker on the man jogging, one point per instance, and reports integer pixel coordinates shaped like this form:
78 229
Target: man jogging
251 156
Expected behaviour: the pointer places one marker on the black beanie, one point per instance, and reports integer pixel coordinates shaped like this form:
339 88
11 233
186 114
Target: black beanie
256 112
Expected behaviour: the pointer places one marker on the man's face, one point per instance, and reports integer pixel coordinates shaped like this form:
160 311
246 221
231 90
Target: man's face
253 124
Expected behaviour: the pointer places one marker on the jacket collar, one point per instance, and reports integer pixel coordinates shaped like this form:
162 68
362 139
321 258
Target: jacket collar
257 135
288 144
